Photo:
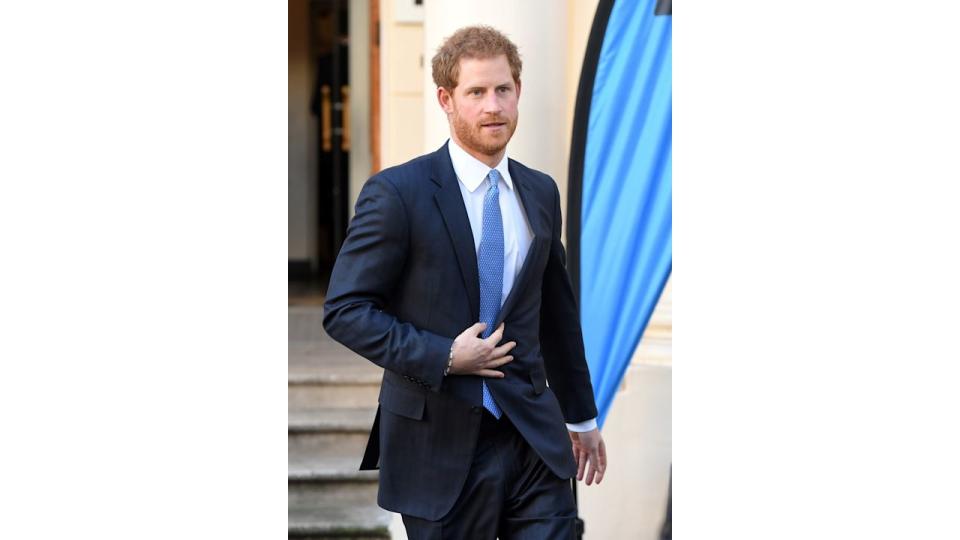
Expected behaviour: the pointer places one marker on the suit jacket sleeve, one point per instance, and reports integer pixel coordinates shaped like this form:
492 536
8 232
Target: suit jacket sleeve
364 276
561 339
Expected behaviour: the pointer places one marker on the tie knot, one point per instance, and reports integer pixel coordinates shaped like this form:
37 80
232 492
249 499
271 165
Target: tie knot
494 177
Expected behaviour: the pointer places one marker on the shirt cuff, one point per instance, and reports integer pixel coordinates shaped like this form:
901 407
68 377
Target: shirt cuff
580 427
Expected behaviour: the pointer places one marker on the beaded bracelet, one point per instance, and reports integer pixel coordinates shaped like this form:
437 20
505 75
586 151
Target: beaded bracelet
449 363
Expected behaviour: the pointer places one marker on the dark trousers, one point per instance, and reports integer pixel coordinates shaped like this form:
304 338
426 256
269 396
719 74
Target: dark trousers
509 494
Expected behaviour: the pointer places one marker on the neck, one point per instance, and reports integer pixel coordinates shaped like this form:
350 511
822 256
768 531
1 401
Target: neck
489 161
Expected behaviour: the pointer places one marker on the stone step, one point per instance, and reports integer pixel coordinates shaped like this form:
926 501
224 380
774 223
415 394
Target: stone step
336 536
327 457
305 323
332 398
335 510
332 420
312 362
314 356
326 374
304 396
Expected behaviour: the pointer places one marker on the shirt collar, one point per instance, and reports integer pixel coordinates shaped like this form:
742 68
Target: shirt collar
471 171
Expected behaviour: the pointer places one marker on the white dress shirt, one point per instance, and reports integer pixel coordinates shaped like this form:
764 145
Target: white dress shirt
517 234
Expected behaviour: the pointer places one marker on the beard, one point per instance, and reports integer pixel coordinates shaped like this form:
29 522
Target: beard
476 138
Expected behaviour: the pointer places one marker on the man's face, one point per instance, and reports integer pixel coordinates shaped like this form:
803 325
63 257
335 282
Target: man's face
483 107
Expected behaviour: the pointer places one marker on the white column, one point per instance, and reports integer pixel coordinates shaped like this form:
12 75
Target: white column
360 154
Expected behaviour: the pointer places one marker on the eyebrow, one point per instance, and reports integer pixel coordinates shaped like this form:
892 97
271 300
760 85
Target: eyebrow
501 85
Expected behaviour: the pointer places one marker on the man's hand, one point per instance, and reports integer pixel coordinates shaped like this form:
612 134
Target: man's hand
475 356
588 447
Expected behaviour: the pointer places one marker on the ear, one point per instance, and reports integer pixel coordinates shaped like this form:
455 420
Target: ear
445 99
518 88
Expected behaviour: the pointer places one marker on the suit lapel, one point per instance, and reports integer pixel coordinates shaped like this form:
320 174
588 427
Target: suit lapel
450 201
531 208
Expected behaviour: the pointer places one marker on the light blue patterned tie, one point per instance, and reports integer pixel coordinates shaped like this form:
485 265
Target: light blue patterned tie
490 262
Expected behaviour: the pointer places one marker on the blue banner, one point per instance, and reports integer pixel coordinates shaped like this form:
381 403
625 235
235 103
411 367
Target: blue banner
625 214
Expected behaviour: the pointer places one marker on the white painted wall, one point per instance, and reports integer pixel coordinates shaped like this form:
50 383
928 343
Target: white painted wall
401 86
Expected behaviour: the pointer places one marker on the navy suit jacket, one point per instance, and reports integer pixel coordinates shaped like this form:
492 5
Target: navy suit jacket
406 283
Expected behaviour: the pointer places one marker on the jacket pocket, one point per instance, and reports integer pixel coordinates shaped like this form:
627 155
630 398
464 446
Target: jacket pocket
402 401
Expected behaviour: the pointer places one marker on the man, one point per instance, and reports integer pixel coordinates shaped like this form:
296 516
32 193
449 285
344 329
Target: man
452 278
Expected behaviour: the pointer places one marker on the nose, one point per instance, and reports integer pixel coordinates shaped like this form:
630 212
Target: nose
491 104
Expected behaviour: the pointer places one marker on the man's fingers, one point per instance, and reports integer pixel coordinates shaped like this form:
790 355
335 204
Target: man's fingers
591 470
491 373
497 362
591 455
595 470
591 466
602 461
497 335
477 328
503 349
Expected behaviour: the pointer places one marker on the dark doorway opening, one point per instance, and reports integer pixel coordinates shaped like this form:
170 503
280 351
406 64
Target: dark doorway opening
330 115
